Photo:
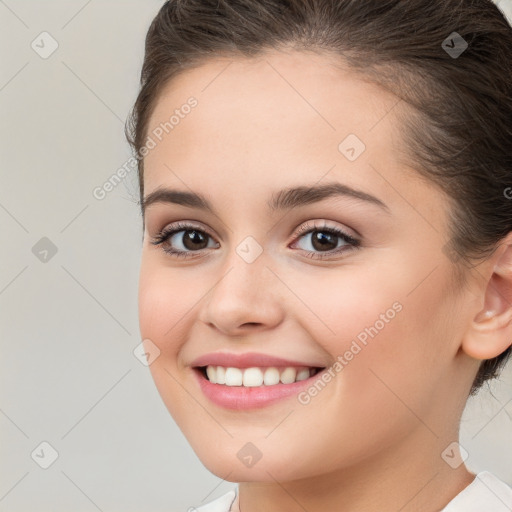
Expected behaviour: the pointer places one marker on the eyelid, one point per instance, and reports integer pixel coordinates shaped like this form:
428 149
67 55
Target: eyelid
180 225
315 225
305 228
351 243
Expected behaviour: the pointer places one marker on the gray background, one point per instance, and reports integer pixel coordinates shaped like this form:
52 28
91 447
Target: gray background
69 320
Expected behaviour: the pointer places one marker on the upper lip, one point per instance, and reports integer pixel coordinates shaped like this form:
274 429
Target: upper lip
248 360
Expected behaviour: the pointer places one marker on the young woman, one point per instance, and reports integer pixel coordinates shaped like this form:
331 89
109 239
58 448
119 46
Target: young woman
326 190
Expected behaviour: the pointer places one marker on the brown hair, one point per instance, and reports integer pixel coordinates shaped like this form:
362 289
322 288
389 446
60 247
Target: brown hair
458 129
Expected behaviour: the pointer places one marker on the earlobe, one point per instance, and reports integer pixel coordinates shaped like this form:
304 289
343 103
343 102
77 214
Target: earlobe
490 332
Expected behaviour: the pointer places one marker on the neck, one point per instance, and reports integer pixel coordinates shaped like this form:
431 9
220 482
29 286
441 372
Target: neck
411 476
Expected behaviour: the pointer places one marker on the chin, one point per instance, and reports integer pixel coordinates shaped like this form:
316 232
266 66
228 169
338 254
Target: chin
226 462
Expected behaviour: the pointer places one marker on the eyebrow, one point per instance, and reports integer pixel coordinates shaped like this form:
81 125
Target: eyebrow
281 200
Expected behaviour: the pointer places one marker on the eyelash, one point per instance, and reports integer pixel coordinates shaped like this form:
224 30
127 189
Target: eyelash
167 232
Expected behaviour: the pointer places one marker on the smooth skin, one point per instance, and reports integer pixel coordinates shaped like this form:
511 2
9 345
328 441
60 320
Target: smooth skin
372 439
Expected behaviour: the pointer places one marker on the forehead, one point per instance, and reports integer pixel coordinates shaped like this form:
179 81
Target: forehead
263 120
275 87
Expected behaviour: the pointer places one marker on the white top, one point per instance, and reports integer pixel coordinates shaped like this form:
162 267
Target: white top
486 493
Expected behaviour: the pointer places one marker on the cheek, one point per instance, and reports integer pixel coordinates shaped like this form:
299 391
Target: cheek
166 301
406 363
390 334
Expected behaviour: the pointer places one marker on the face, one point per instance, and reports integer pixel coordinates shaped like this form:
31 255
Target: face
351 279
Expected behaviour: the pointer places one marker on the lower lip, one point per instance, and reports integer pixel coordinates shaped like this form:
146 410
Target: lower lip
241 397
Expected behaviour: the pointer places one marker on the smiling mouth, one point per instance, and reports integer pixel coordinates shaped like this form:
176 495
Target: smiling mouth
256 376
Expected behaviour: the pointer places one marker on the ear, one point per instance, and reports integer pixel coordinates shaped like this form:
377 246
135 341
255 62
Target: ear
490 332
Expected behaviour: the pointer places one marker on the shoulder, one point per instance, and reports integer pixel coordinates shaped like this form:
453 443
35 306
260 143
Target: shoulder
221 504
487 493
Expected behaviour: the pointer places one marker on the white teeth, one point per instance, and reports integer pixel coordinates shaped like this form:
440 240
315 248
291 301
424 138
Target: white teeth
212 374
288 376
221 375
255 377
302 374
234 377
271 377
252 377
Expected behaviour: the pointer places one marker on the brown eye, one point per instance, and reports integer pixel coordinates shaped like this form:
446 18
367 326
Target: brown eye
193 240
182 240
325 241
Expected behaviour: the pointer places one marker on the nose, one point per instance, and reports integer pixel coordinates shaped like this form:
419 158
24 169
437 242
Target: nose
245 298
